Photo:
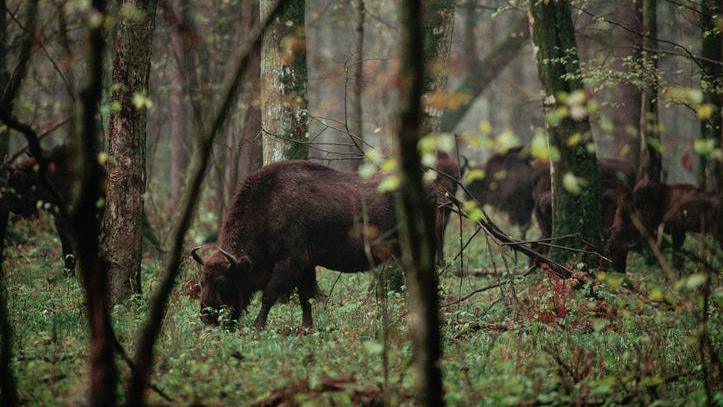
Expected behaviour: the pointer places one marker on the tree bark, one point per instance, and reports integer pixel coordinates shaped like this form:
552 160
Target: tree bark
179 120
416 214
284 79
86 226
487 70
650 165
710 176
250 151
628 96
438 27
4 77
357 88
123 216
574 212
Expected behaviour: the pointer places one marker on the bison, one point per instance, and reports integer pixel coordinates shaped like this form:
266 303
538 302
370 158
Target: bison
507 186
285 220
674 209
25 195
612 172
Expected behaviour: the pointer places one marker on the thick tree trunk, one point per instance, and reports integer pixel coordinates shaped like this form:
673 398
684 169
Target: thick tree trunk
651 164
284 79
356 113
102 373
4 77
438 26
488 69
179 121
710 176
576 208
123 216
416 214
250 151
628 96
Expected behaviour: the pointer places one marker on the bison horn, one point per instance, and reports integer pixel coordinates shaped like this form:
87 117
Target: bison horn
230 257
196 256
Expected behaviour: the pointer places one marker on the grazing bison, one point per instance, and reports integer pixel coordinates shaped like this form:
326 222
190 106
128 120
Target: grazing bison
507 187
285 220
674 209
612 172
25 195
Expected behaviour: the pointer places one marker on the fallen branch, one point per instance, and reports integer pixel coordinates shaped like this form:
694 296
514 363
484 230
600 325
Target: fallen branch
487 288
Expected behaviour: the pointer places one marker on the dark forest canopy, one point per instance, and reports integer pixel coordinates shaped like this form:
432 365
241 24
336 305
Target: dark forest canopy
481 202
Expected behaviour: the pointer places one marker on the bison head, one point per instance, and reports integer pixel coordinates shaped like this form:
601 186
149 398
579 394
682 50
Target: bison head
221 284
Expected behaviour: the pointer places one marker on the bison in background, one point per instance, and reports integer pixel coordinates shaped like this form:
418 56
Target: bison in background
25 194
613 173
673 209
285 220
507 186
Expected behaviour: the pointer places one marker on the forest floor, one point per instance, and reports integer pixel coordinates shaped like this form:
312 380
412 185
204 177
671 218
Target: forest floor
616 339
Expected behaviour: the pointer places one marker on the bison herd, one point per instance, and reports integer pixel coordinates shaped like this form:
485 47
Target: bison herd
292 216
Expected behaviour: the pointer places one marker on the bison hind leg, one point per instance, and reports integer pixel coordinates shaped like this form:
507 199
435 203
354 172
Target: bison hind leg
308 288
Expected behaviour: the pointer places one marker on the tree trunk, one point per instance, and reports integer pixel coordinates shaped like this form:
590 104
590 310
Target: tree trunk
628 96
4 77
438 26
416 214
123 217
476 81
576 206
650 158
86 226
357 87
179 121
710 176
250 151
284 80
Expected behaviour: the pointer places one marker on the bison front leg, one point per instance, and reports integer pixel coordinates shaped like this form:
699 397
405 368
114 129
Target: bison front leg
678 238
66 241
282 280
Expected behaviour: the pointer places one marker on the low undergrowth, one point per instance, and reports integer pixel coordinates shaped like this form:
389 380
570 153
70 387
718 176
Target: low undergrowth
608 340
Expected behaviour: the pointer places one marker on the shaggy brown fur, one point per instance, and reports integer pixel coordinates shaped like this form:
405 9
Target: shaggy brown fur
507 187
285 220
24 192
678 209
613 173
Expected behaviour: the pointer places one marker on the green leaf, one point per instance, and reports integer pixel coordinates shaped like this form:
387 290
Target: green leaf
696 280
388 184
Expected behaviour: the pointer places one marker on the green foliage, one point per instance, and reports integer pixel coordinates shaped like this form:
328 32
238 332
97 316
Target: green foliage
620 338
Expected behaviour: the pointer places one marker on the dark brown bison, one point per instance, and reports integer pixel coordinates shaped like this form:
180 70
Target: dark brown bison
285 220
674 209
613 173
25 195
507 186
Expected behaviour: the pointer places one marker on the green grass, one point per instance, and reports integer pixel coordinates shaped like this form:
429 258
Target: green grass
603 343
